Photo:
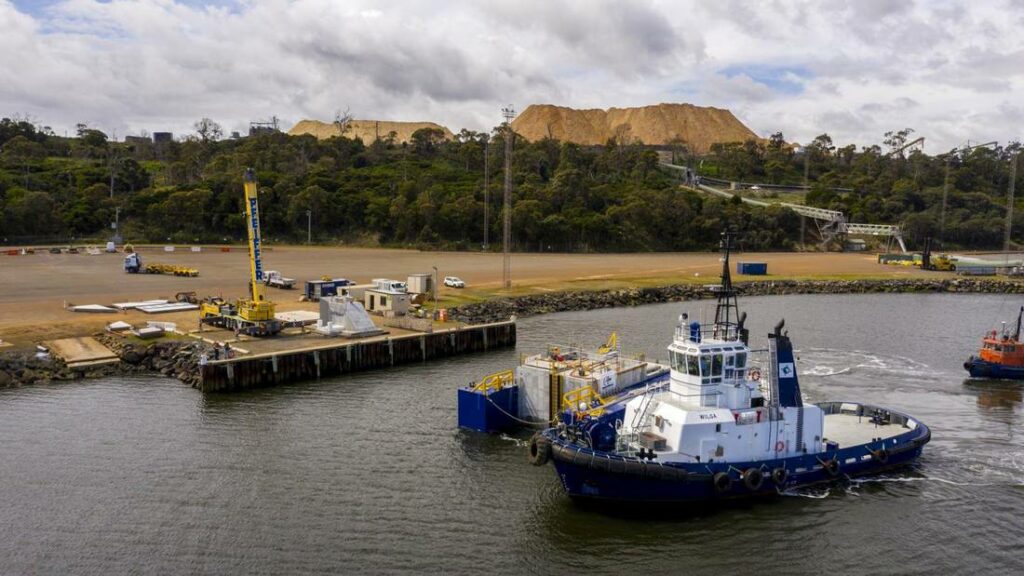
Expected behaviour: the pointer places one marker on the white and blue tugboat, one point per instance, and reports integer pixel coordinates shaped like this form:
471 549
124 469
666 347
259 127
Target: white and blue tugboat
723 428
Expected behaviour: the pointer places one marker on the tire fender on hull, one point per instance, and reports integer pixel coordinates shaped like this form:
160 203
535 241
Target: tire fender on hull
753 479
722 482
540 450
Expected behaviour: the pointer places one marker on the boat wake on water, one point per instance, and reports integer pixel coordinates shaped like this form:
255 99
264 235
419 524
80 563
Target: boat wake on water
823 362
518 441
825 371
812 493
851 486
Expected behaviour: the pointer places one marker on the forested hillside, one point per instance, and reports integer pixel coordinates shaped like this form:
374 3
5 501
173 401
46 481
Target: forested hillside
430 192
889 186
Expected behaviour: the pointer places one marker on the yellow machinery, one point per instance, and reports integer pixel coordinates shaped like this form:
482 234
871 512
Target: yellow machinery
611 344
940 262
253 315
171 269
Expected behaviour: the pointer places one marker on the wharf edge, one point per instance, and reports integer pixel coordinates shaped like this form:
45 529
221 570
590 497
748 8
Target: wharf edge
337 358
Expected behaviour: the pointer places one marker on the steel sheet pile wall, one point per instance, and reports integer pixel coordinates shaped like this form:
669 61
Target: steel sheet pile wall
265 370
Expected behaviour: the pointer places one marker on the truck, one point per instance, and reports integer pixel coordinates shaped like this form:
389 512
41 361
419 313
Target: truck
274 279
387 285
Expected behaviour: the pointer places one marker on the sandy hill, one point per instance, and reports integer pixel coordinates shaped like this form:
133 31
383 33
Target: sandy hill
699 126
366 130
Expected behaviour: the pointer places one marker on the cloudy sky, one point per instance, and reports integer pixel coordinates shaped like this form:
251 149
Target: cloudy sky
952 70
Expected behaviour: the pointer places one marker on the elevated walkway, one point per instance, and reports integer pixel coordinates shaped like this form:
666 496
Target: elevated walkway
831 224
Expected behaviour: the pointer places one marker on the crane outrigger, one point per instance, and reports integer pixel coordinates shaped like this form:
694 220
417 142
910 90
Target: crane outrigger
253 315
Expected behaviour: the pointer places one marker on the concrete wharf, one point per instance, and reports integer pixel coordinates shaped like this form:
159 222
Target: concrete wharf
347 356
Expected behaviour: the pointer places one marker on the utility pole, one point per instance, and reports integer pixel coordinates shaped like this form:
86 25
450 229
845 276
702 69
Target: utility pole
1009 203
506 272
309 227
117 224
487 192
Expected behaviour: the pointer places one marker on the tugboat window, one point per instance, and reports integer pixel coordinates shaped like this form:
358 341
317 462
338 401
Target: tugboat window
705 366
716 365
729 360
741 360
691 364
679 362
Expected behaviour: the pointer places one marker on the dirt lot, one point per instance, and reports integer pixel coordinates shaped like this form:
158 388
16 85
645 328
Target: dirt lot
35 287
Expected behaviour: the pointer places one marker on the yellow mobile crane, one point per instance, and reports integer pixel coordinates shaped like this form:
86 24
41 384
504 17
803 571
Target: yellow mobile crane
253 315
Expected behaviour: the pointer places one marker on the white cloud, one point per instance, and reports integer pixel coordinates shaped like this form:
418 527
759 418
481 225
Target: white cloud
952 70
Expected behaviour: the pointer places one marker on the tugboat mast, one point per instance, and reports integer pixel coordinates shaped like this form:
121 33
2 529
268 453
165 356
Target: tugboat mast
728 322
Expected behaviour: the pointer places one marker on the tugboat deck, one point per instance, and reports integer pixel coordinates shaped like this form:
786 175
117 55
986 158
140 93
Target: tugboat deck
852 430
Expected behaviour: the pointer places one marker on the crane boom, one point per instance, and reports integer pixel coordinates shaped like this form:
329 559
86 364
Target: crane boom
252 218
254 315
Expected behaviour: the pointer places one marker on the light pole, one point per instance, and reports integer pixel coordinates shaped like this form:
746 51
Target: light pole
309 227
117 224
113 159
487 192
1009 203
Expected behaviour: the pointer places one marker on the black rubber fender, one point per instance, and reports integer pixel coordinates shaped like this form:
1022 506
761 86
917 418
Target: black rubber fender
540 450
753 479
722 482
780 476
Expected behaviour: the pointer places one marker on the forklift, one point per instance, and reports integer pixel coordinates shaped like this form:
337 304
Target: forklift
940 262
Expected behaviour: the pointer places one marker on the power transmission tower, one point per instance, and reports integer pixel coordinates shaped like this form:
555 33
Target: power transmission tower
506 272
487 192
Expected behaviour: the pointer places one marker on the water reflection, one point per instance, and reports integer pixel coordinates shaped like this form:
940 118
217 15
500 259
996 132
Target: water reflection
997 399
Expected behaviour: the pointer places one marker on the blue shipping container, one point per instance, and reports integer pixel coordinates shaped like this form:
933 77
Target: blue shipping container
752 268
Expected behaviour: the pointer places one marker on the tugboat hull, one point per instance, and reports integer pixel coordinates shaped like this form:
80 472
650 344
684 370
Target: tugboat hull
979 368
597 475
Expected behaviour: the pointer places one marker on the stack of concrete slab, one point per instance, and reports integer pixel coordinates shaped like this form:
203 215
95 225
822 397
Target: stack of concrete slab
81 352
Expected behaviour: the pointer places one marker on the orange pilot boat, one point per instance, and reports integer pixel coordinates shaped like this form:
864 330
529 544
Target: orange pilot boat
1001 355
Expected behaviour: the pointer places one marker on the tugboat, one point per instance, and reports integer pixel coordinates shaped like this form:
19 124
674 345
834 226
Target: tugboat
1001 355
723 428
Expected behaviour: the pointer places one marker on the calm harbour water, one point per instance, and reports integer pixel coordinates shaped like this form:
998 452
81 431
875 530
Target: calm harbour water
369 474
